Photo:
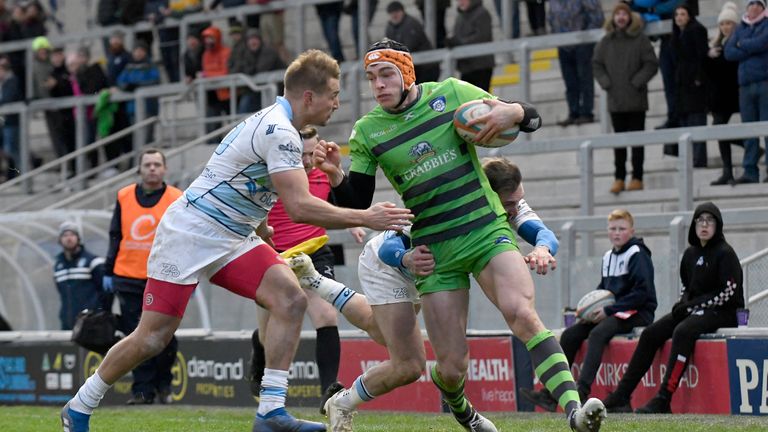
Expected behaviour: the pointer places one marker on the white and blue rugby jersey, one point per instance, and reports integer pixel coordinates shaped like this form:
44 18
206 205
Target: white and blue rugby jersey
235 189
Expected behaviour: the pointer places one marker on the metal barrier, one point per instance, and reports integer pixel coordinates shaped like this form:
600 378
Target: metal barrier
755 276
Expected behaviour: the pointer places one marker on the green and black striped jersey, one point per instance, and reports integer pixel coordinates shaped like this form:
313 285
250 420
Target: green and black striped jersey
437 174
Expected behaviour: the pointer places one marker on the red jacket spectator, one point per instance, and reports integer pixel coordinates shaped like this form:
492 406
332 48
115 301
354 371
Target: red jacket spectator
215 58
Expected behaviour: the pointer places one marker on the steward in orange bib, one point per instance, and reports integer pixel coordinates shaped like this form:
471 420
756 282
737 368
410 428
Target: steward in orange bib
137 213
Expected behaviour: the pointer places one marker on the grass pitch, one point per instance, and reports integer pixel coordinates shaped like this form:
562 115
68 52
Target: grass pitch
197 419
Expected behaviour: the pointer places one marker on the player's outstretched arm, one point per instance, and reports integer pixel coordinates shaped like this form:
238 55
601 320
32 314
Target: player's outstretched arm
293 188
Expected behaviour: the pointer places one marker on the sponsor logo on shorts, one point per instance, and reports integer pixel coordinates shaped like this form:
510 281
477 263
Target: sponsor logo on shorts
170 270
502 240
438 104
400 293
149 299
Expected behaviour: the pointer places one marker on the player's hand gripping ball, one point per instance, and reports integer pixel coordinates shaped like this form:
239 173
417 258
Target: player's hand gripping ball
472 110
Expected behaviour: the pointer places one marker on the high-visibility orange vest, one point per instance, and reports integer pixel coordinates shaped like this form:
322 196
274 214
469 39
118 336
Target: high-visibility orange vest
138 225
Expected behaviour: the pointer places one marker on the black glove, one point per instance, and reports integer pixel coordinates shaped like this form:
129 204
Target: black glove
680 311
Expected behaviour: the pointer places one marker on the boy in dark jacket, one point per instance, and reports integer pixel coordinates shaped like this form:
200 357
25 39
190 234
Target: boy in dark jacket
711 292
627 272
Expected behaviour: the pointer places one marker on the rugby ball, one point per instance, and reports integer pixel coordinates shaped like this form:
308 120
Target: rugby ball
593 301
471 110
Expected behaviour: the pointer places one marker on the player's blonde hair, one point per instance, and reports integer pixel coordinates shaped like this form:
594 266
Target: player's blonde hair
621 214
311 71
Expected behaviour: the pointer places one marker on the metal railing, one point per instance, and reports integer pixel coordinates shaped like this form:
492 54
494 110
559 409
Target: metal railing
586 145
105 190
755 269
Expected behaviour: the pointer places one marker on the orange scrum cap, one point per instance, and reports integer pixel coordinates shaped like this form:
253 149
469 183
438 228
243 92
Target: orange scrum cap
396 54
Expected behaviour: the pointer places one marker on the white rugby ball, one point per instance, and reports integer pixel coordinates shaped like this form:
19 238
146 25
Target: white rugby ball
471 110
593 301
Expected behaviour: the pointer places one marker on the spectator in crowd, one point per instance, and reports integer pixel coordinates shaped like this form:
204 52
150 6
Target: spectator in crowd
5 21
575 60
41 67
441 6
126 12
193 57
238 50
623 64
655 10
169 36
215 57
627 272
712 290
136 215
689 42
117 56
272 28
139 72
330 16
351 8
724 91
749 47
257 58
27 22
87 79
288 234
515 7
10 91
537 18
472 26
78 275
236 39
408 30
59 84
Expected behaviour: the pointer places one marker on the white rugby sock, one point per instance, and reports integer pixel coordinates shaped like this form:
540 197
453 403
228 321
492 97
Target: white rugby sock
274 387
330 290
355 395
89 395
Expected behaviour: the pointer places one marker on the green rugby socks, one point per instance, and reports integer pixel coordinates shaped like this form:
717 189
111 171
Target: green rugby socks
454 397
553 371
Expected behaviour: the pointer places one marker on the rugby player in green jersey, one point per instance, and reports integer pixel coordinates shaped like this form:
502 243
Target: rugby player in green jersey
410 135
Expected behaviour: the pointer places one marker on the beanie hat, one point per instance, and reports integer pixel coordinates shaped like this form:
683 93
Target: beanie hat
141 44
252 33
41 42
622 6
395 6
69 226
728 13
762 2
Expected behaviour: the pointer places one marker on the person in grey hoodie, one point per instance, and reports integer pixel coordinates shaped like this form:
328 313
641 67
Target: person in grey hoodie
623 63
472 26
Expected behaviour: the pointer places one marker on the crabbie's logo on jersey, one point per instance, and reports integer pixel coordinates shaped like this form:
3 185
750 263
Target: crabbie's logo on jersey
429 161
438 104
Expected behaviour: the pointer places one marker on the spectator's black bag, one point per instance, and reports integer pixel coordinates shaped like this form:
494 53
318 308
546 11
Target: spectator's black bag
95 330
